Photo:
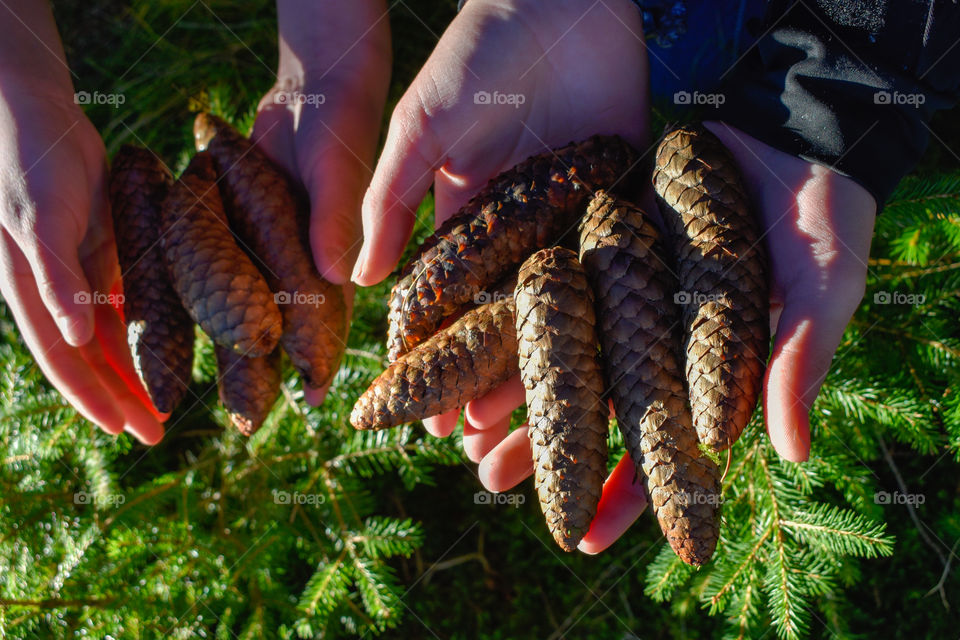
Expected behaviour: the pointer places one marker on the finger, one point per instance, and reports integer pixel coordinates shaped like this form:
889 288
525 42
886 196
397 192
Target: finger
442 425
335 209
479 442
621 503
500 403
314 396
60 280
811 326
137 418
450 193
400 180
272 133
341 144
61 364
111 335
509 463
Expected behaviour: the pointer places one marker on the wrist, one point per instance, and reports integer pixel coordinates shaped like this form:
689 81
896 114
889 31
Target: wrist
317 39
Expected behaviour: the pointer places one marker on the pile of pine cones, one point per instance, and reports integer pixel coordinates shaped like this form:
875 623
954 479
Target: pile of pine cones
221 247
675 336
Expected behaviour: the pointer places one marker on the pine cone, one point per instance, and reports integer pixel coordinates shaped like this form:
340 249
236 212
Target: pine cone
466 360
639 330
264 213
559 367
159 330
518 212
723 287
248 387
218 285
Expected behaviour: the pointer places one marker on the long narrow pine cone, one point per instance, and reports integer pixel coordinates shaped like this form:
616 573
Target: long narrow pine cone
264 213
639 329
723 286
559 366
248 387
217 283
467 360
159 330
518 212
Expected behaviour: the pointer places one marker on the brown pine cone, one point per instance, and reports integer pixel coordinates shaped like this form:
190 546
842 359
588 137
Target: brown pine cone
159 330
518 212
561 373
467 360
248 387
639 330
723 285
217 283
264 213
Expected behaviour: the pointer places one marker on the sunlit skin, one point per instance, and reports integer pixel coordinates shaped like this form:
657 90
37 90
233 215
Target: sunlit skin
57 237
817 224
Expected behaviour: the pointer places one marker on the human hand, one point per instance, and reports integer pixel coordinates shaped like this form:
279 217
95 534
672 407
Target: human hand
321 120
817 227
58 259
564 71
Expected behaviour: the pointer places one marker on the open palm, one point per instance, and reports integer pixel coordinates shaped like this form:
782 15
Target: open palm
508 79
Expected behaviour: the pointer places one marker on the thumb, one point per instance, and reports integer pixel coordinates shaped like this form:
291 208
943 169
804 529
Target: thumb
807 335
335 203
401 179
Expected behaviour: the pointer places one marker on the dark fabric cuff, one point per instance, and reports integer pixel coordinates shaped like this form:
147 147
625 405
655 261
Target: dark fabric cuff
844 102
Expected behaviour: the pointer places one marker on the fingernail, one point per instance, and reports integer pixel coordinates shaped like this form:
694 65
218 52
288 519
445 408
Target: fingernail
358 266
75 329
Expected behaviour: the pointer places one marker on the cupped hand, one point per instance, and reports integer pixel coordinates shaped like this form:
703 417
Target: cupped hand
59 273
321 121
507 80
816 225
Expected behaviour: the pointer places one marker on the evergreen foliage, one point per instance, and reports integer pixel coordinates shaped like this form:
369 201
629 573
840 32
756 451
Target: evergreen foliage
312 530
